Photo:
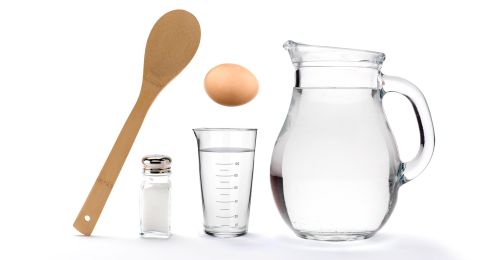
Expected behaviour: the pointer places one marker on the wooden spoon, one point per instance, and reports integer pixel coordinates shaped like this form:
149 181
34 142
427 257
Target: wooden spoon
171 45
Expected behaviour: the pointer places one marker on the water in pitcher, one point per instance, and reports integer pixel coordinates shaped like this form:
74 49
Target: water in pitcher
333 168
226 181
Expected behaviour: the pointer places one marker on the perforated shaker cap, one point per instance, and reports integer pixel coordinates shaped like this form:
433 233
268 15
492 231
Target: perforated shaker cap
156 164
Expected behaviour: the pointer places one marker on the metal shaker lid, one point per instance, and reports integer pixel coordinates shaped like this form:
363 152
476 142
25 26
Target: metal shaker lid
156 163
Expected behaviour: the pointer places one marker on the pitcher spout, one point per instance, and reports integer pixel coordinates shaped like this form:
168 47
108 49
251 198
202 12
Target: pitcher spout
304 55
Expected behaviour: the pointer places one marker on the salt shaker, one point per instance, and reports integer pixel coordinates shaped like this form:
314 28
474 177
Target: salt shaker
155 197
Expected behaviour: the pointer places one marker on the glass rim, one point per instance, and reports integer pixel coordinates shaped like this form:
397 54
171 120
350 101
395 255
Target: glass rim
224 129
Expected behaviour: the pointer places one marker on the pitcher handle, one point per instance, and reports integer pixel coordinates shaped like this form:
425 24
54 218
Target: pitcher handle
413 168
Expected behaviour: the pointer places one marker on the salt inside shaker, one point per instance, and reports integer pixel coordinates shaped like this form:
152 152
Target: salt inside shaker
155 197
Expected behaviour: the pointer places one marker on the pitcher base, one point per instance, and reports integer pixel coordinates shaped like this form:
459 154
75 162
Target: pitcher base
335 236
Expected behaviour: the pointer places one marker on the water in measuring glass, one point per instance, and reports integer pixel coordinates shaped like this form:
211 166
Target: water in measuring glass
226 182
334 166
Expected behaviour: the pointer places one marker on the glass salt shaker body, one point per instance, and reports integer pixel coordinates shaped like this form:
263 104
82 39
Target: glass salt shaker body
155 197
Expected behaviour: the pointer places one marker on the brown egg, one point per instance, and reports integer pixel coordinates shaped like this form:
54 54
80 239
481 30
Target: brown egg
231 85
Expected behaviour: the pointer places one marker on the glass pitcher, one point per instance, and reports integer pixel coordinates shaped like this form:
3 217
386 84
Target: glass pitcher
335 169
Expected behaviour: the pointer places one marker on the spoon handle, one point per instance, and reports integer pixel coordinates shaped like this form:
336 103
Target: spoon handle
92 208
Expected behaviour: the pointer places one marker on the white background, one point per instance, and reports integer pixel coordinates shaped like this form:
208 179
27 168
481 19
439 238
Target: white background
70 72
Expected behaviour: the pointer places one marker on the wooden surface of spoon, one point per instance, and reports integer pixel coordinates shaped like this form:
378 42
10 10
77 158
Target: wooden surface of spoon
171 45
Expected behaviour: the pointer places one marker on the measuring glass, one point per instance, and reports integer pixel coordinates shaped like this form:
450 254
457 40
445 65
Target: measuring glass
226 157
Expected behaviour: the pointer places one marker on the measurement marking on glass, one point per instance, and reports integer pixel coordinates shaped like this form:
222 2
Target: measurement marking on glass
224 170
226 188
224 181
223 209
235 216
224 194
226 201
225 175
223 163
